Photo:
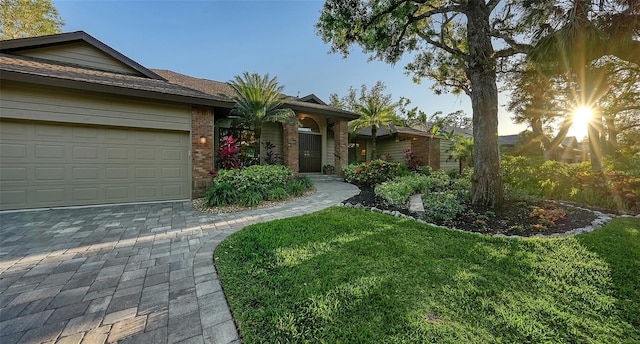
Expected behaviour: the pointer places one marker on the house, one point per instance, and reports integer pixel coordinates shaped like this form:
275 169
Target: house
447 160
82 124
568 151
319 139
391 143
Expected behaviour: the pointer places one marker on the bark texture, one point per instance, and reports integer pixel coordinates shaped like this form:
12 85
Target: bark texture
487 186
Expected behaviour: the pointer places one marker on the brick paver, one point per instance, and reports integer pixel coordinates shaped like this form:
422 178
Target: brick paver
132 273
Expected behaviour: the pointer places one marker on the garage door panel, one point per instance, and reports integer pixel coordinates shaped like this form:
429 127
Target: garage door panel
86 194
52 165
50 151
12 150
117 154
117 193
145 154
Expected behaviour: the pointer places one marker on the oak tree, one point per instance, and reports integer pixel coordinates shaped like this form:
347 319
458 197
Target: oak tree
451 41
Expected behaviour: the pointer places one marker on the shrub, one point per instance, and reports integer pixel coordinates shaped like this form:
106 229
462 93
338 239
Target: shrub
261 177
400 189
373 172
250 197
296 187
530 177
424 170
304 181
228 154
442 206
411 159
220 194
271 157
277 194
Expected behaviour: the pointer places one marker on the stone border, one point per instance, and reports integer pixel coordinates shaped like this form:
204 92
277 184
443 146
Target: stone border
600 220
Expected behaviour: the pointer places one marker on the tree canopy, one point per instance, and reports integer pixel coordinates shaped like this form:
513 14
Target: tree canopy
456 43
28 18
375 108
259 100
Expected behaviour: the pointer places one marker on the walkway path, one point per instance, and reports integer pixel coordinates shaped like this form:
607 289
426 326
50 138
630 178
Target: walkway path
132 273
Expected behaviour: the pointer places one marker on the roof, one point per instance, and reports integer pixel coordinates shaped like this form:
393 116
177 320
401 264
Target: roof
509 140
221 89
41 71
393 130
15 45
312 98
45 72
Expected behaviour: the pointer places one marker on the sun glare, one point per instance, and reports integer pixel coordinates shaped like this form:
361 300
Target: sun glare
581 118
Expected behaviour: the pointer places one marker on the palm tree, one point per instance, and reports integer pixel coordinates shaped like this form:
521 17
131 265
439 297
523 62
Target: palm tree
375 112
259 100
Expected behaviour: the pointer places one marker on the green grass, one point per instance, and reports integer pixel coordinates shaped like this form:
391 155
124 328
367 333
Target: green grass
351 276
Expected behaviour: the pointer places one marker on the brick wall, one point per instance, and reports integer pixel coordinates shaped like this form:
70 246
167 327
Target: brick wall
201 153
427 151
341 137
290 149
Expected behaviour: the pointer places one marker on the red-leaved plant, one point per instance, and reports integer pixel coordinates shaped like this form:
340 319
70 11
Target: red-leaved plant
228 154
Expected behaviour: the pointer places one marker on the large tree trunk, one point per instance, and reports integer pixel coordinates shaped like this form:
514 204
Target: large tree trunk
486 186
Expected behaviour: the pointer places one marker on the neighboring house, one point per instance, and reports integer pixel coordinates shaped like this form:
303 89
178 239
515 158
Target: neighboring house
569 151
391 143
447 161
82 124
321 138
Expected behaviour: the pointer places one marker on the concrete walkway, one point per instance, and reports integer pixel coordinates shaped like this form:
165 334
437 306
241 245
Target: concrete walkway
132 273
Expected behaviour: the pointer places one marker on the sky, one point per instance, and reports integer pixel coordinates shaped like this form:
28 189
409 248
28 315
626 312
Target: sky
220 39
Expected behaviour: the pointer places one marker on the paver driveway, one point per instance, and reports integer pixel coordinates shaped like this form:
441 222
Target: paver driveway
132 273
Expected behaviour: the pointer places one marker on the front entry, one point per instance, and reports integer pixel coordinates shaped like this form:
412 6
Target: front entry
310 152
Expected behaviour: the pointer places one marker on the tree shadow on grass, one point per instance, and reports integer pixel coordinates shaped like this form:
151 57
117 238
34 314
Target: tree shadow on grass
619 245
362 277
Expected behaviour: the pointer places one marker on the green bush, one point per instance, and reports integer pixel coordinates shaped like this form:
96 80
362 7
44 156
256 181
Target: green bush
374 172
251 185
442 206
276 194
220 195
257 176
304 181
399 190
296 187
526 177
250 197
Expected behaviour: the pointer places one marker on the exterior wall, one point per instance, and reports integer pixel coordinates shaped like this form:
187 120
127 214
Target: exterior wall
290 154
330 158
80 53
341 145
201 153
41 103
427 151
446 160
273 133
393 150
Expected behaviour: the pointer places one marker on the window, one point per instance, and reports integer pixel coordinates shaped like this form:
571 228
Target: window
308 125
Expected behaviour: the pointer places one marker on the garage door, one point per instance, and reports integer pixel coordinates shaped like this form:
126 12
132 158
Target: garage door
52 165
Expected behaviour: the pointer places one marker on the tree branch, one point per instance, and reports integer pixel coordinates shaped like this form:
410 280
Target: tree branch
492 5
445 47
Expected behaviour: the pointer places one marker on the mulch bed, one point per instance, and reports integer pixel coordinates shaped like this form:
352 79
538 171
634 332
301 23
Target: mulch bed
512 219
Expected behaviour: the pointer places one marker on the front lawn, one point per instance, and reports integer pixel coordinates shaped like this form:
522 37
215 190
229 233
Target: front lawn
352 276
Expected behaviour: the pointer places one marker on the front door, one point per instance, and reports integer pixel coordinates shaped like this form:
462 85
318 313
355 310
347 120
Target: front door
310 152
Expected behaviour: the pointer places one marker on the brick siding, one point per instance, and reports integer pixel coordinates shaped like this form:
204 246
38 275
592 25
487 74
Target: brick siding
201 153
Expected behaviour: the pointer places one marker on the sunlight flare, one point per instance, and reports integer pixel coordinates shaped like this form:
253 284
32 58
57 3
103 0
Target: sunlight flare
581 118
